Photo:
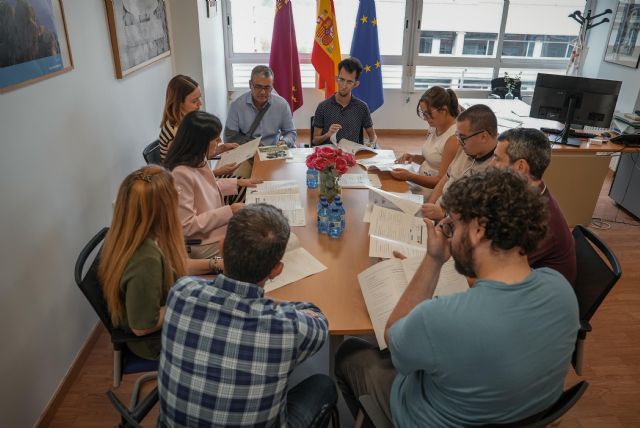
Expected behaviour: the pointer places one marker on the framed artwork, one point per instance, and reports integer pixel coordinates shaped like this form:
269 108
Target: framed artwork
139 33
623 47
34 44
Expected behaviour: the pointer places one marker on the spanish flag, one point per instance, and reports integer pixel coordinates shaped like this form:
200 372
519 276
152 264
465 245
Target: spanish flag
325 55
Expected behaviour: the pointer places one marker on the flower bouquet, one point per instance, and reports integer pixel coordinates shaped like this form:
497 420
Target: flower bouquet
331 163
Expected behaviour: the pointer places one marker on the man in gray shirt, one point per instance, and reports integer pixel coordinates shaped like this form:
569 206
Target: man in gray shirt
275 126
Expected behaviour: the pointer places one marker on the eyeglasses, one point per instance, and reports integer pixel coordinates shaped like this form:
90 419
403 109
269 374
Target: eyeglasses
344 81
425 114
463 140
261 88
447 227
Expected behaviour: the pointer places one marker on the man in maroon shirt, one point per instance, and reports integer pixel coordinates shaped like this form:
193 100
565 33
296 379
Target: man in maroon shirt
528 152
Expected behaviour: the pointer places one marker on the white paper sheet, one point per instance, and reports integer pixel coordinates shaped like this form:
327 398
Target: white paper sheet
353 147
409 204
240 153
298 264
384 248
376 199
276 187
359 181
398 226
300 155
288 201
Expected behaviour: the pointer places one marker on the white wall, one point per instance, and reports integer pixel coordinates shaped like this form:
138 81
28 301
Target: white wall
595 66
67 142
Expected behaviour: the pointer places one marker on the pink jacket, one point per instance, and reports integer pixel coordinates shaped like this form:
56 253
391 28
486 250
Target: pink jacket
201 205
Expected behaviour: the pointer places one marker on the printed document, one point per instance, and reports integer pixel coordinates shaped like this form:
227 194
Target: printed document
383 283
408 203
274 152
352 147
298 264
394 230
240 153
359 181
281 194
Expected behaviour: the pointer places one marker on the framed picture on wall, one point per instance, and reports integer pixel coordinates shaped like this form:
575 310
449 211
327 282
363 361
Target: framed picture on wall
623 47
34 44
139 33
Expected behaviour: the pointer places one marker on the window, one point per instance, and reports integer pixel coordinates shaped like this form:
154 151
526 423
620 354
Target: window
461 44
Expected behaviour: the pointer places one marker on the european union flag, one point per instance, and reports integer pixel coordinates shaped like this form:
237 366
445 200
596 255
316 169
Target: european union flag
365 47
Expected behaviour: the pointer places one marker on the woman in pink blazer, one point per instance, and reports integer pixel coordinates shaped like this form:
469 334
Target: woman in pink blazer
201 196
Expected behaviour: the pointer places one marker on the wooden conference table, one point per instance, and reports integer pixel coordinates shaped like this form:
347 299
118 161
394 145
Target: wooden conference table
335 290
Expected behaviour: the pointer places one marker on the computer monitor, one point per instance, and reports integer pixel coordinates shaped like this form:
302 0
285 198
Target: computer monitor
574 100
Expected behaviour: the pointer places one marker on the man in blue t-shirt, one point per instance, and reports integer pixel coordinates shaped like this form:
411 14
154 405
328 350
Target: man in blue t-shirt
496 353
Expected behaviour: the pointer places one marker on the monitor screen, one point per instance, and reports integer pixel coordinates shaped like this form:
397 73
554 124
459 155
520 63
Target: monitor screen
594 100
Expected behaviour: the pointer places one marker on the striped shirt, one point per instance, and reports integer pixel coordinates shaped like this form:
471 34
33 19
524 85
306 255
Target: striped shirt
167 134
227 352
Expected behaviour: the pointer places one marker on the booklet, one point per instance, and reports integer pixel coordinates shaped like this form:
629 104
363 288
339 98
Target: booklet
240 153
383 283
274 153
281 194
298 264
359 181
352 147
408 203
394 230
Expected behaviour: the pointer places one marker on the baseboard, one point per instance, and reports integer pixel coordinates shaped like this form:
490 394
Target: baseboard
46 417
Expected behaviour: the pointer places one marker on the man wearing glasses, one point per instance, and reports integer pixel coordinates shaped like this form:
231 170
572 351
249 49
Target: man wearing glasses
495 354
477 129
260 112
342 115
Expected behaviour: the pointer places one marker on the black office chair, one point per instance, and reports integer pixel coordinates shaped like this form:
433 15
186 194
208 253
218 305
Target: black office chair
542 419
130 418
598 272
151 153
124 361
499 88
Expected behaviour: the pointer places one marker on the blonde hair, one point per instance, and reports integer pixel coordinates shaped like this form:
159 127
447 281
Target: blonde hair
177 90
146 207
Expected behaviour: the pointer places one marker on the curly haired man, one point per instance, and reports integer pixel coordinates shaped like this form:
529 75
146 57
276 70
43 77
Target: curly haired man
497 353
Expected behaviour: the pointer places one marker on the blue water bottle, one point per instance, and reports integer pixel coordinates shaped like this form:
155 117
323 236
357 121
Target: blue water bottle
312 178
334 223
322 198
338 204
323 217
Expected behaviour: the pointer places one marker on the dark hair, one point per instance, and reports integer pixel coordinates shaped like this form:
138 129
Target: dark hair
191 144
177 90
256 239
512 213
531 145
351 64
439 98
480 117
261 70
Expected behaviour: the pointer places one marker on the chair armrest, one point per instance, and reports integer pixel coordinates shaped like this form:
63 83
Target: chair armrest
373 412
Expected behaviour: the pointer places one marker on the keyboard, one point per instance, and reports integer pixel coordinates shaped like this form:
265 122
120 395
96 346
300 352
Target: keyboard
572 133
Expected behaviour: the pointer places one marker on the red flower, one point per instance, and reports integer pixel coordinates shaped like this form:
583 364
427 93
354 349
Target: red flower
328 157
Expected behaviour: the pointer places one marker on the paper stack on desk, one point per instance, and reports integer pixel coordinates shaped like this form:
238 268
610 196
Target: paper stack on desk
383 283
298 264
281 194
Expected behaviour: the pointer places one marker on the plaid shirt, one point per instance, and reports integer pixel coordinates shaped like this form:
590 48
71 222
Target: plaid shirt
227 352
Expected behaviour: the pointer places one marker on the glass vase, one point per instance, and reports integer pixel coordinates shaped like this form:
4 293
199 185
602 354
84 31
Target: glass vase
329 185
508 95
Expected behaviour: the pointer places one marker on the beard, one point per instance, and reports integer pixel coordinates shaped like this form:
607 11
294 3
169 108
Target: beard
463 257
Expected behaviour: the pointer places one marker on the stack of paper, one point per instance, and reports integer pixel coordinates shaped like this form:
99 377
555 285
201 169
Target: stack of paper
281 194
298 264
382 286
240 153
392 230
359 181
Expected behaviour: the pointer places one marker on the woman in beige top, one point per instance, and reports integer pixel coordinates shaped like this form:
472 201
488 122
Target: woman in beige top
201 208
439 108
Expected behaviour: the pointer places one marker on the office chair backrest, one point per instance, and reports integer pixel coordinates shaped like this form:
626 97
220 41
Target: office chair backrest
499 87
596 275
151 153
88 283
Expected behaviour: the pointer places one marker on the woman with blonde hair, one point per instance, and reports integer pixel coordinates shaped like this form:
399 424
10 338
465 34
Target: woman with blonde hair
183 97
439 108
143 254
201 195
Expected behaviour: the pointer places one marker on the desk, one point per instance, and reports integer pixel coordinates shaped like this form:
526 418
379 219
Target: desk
336 290
576 174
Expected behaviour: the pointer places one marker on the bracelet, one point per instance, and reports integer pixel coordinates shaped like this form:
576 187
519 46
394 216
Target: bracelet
212 265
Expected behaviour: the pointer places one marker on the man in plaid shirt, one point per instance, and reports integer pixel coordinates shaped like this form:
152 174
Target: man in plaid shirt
228 351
